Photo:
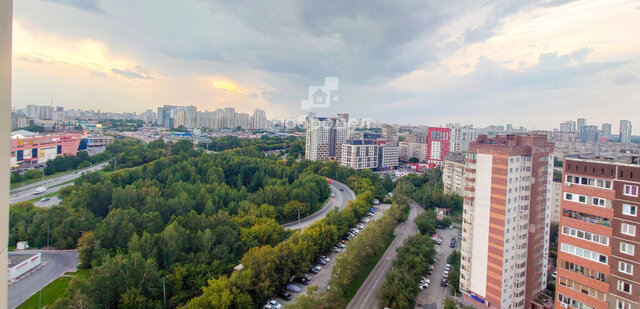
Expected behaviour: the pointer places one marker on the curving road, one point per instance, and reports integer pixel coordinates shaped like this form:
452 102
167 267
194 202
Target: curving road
340 201
365 298
57 263
54 184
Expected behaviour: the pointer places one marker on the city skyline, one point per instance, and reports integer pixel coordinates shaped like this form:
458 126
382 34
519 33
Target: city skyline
446 63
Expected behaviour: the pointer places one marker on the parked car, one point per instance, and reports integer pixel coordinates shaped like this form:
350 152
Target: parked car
448 259
447 267
313 270
335 249
325 258
293 288
452 245
44 199
307 276
340 245
443 282
451 227
274 303
445 274
438 226
285 295
423 286
321 261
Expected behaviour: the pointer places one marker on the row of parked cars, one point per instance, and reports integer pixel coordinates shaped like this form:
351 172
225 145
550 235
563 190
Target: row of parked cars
319 262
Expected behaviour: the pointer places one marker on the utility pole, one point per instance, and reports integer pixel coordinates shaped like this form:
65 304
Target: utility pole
164 292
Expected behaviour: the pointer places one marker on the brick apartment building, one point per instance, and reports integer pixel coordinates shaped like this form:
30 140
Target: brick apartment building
598 266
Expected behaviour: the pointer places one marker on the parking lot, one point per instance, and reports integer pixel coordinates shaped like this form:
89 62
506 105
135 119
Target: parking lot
433 296
321 279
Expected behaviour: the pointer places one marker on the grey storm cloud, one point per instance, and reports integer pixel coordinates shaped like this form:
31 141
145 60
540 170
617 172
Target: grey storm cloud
131 74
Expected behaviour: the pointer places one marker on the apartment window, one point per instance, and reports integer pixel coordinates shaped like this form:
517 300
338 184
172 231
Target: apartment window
575 198
627 248
622 305
624 286
626 268
630 190
598 201
588 236
629 210
628 229
584 271
584 253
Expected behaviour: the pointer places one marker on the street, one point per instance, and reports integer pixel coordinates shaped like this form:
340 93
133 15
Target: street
26 193
365 298
433 296
341 200
59 262
322 278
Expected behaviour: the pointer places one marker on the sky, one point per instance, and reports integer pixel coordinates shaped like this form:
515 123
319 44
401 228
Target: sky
528 63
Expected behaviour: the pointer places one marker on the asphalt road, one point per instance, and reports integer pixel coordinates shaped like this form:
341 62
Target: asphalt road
433 296
26 193
365 298
340 201
59 262
322 278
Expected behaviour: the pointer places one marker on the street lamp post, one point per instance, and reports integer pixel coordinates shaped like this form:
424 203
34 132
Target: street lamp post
164 292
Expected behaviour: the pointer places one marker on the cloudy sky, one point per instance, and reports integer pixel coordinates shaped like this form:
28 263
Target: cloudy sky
530 63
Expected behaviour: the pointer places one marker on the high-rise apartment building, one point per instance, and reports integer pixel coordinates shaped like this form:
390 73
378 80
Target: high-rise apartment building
505 229
324 137
461 136
359 154
389 157
568 126
598 266
581 123
243 121
410 150
229 118
438 143
606 130
259 120
590 133
625 131
453 173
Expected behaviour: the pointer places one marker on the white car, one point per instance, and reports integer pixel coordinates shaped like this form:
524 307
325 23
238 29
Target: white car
40 190
335 249
274 304
340 245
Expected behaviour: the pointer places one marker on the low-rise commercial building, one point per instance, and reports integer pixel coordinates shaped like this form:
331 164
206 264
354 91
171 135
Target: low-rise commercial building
29 149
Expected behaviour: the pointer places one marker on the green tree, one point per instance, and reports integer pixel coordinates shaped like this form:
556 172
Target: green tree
426 222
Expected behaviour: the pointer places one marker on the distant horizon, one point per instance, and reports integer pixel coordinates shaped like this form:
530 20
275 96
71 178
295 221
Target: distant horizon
444 61
515 125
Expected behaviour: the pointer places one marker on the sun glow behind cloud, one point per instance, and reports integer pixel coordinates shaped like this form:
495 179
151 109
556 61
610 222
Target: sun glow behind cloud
226 85
40 48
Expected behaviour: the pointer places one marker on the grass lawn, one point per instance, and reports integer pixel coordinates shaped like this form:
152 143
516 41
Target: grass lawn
351 290
56 289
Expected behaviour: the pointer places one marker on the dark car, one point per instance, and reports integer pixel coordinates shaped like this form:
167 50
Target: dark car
438 226
307 276
285 295
448 260
452 245
443 282
341 189
303 280
313 270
